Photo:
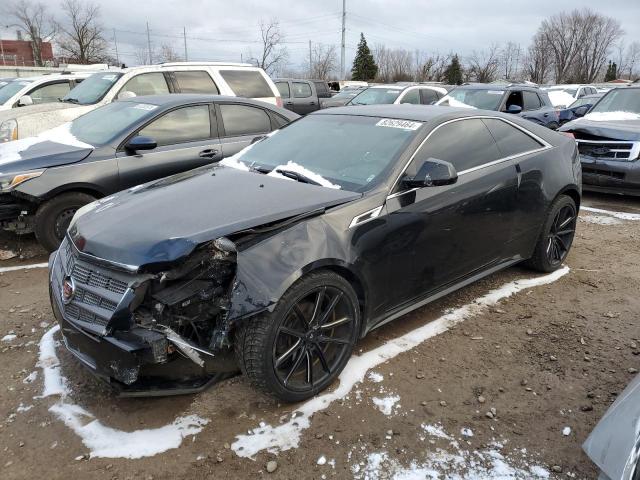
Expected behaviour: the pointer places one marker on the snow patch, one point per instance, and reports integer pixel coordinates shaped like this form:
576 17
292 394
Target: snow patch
566 431
620 215
23 408
466 432
560 98
375 377
23 267
103 441
287 435
294 167
611 116
452 102
598 220
31 377
386 404
9 338
436 431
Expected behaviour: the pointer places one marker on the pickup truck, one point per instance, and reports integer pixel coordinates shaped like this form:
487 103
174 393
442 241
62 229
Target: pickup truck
302 96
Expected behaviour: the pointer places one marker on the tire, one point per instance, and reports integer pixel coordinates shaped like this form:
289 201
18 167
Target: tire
556 236
282 358
53 217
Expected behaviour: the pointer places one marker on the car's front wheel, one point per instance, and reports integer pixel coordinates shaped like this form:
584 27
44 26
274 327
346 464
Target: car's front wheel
54 216
557 235
302 346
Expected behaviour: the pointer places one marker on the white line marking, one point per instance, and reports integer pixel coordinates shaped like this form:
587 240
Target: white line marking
287 435
23 267
620 215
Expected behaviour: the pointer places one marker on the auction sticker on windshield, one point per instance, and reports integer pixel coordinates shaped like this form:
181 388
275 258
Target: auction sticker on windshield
394 123
495 92
109 77
145 106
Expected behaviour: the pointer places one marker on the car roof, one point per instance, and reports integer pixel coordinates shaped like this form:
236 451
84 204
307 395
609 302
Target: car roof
498 86
176 99
418 113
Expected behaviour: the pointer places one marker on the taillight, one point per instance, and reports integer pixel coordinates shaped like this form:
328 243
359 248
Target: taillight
279 102
568 134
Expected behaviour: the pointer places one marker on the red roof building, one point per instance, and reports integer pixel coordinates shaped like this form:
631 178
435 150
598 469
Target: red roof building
19 52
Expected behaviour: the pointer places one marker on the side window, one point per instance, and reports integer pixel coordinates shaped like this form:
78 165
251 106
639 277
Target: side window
464 143
510 140
429 97
411 96
196 82
50 93
301 89
514 98
531 101
187 124
283 88
147 84
278 121
244 120
247 83
322 89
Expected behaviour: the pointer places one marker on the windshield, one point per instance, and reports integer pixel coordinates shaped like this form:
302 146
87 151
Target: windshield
92 89
352 92
583 101
488 99
103 124
11 88
351 152
376 96
618 100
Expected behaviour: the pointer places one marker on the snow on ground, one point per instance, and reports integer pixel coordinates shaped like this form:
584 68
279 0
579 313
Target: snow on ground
103 441
599 220
8 338
287 435
611 116
23 267
375 377
620 215
387 404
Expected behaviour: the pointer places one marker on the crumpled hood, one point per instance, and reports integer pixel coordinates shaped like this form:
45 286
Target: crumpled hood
612 444
165 220
52 148
616 129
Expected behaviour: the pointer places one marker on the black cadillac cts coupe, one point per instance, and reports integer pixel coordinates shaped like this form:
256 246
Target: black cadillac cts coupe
279 259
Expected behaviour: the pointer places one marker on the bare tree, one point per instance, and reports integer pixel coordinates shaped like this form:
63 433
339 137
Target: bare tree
600 34
324 61
394 65
274 54
82 34
484 64
510 57
538 63
34 21
632 60
168 54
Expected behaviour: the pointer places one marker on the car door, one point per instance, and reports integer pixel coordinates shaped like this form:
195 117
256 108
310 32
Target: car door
240 125
428 96
285 93
441 234
303 97
187 138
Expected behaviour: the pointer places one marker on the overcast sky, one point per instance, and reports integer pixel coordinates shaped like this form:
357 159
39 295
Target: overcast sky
229 30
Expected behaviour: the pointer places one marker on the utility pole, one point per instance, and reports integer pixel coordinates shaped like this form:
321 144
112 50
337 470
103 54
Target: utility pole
184 32
310 61
149 44
344 28
115 41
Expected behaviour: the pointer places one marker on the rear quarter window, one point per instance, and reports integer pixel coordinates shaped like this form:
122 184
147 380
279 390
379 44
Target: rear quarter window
196 82
510 140
247 83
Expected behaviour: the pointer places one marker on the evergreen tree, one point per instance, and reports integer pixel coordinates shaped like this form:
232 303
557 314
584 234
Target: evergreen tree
364 66
453 73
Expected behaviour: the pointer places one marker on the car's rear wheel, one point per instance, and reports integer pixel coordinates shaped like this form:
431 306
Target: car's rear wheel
54 216
556 237
302 346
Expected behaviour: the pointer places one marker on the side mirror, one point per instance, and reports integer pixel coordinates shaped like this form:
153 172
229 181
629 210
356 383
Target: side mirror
25 101
582 110
433 173
514 109
141 143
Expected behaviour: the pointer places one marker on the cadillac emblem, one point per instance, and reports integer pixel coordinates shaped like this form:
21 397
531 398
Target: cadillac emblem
68 290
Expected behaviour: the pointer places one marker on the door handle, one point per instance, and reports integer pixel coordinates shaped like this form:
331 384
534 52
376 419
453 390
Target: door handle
208 153
546 114
312 103
288 103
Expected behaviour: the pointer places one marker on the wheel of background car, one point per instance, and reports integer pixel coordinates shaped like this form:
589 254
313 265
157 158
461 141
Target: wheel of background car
302 346
53 217
556 237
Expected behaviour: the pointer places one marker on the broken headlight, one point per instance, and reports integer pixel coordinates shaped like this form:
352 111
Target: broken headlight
10 181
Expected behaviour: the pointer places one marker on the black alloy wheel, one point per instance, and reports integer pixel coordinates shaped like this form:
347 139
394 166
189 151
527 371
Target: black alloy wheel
561 234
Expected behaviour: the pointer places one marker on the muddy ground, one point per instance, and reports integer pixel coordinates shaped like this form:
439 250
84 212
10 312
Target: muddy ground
550 357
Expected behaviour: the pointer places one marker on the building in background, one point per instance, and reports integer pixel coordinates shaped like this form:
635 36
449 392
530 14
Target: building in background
20 53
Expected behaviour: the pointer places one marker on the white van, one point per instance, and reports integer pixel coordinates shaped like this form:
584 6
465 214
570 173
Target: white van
233 79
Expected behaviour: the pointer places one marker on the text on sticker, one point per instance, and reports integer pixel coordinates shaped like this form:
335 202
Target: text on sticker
393 123
145 106
495 92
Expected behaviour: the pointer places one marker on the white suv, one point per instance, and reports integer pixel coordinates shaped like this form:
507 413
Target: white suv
21 92
233 79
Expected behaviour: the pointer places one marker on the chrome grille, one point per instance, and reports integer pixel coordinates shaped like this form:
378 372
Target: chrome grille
90 277
609 149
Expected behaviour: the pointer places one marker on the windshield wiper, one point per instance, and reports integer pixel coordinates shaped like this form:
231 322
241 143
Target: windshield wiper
70 100
296 176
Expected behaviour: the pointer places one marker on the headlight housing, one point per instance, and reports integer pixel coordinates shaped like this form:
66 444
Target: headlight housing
10 181
8 130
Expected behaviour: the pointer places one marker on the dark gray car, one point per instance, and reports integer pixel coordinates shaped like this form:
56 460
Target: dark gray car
45 179
302 96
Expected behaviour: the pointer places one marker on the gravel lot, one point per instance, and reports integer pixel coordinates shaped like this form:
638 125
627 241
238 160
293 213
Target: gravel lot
513 389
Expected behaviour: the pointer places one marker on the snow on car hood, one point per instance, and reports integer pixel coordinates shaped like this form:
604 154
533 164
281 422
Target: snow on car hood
613 127
611 116
192 207
51 148
560 97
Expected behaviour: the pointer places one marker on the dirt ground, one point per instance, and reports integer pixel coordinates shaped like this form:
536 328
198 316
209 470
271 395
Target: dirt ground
547 358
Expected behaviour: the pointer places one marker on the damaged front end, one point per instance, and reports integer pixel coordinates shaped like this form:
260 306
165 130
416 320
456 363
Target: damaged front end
155 332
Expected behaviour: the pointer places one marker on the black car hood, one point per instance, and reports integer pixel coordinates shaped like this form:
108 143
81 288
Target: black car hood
615 129
28 154
165 220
